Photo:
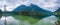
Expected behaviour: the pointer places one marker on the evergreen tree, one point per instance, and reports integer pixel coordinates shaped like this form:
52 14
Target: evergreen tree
0 13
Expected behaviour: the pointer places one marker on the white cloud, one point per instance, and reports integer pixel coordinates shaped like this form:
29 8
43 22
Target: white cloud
49 5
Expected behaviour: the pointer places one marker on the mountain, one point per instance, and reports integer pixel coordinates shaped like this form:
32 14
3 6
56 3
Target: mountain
19 8
33 8
29 8
58 10
57 13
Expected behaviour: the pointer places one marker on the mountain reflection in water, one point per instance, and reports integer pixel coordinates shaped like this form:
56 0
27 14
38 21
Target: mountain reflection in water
10 20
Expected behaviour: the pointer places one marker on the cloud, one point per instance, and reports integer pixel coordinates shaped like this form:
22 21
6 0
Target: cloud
50 5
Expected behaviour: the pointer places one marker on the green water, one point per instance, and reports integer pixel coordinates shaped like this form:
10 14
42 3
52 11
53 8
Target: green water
31 20
26 20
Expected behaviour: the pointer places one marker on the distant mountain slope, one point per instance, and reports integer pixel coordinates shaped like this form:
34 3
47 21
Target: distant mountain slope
58 10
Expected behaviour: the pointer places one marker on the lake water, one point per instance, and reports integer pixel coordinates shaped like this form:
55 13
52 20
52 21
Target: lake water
10 20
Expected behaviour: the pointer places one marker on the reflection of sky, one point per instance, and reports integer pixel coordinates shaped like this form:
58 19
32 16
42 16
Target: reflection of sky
50 5
47 21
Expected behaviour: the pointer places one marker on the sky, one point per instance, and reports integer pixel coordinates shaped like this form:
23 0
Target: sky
50 5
